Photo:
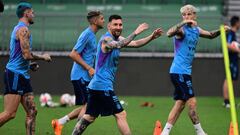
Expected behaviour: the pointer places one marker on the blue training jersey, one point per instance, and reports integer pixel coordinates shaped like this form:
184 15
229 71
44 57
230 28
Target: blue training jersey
233 56
86 46
16 61
105 68
184 51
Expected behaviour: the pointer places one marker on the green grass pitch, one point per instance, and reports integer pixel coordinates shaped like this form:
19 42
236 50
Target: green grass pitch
214 118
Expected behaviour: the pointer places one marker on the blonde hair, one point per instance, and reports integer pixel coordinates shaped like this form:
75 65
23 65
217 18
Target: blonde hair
188 7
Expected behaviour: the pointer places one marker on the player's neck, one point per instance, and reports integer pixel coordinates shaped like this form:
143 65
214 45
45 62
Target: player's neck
24 21
94 28
234 29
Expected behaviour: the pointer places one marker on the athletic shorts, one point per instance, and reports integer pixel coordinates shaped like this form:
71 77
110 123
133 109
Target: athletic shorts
103 103
16 83
81 91
234 71
183 86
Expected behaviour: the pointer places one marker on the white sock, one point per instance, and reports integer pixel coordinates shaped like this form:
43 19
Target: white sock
63 120
167 129
199 129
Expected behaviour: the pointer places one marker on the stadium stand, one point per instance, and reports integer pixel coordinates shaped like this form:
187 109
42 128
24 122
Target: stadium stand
58 25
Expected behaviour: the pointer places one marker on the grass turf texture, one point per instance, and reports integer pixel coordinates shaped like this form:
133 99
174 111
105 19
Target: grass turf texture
213 116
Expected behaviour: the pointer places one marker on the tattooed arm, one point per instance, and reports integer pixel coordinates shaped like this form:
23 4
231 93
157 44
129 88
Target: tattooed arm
141 42
211 34
177 29
108 43
23 35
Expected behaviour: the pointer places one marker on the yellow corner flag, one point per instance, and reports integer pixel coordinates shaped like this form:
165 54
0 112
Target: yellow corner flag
229 81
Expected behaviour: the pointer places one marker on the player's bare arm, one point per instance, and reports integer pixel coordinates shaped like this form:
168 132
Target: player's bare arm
23 35
109 43
141 42
211 34
78 59
177 29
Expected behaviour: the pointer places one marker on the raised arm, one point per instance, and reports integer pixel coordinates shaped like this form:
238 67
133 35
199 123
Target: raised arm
211 34
141 42
23 35
109 43
177 29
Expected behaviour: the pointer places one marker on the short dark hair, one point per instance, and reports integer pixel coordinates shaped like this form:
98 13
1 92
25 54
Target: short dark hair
92 14
1 6
115 17
22 6
234 20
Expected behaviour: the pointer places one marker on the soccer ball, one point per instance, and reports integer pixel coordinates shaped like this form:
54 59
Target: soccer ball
45 98
67 99
235 44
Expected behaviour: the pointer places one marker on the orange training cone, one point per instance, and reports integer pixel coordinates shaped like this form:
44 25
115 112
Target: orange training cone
158 128
231 129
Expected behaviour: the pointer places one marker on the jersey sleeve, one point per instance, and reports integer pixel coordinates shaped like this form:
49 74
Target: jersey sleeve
229 37
81 43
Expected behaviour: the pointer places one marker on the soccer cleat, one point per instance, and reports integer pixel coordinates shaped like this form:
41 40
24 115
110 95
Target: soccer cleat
57 127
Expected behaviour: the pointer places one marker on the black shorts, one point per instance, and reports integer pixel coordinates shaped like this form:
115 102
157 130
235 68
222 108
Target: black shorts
16 83
81 91
103 103
234 70
183 86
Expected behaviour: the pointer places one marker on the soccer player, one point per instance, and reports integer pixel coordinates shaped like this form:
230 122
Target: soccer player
83 55
186 35
233 57
1 6
16 77
102 99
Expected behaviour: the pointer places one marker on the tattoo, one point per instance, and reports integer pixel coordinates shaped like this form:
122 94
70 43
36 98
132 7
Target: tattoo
80 126
36 57
213 34
175 29
114 44
30 108
193 115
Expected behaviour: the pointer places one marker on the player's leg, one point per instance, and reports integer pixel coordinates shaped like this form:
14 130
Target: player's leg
31 112
93 108
121 119
225 94
80 88
11 102
12 96
82 124
173 116
192 112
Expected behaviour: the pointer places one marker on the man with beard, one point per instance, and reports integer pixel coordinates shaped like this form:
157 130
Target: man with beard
83 55
16 77
102 99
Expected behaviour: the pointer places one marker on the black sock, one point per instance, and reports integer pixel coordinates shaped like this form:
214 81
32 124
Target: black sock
81 125
226 101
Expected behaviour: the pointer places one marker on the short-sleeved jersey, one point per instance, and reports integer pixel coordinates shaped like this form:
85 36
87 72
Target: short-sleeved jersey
86 46
184 51
105 68
233 56
16 61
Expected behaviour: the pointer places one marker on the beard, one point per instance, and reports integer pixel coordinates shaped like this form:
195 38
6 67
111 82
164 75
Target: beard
116 34
31 21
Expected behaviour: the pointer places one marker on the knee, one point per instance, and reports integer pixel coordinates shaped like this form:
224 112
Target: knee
10 115
192 104
121 115
32 112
